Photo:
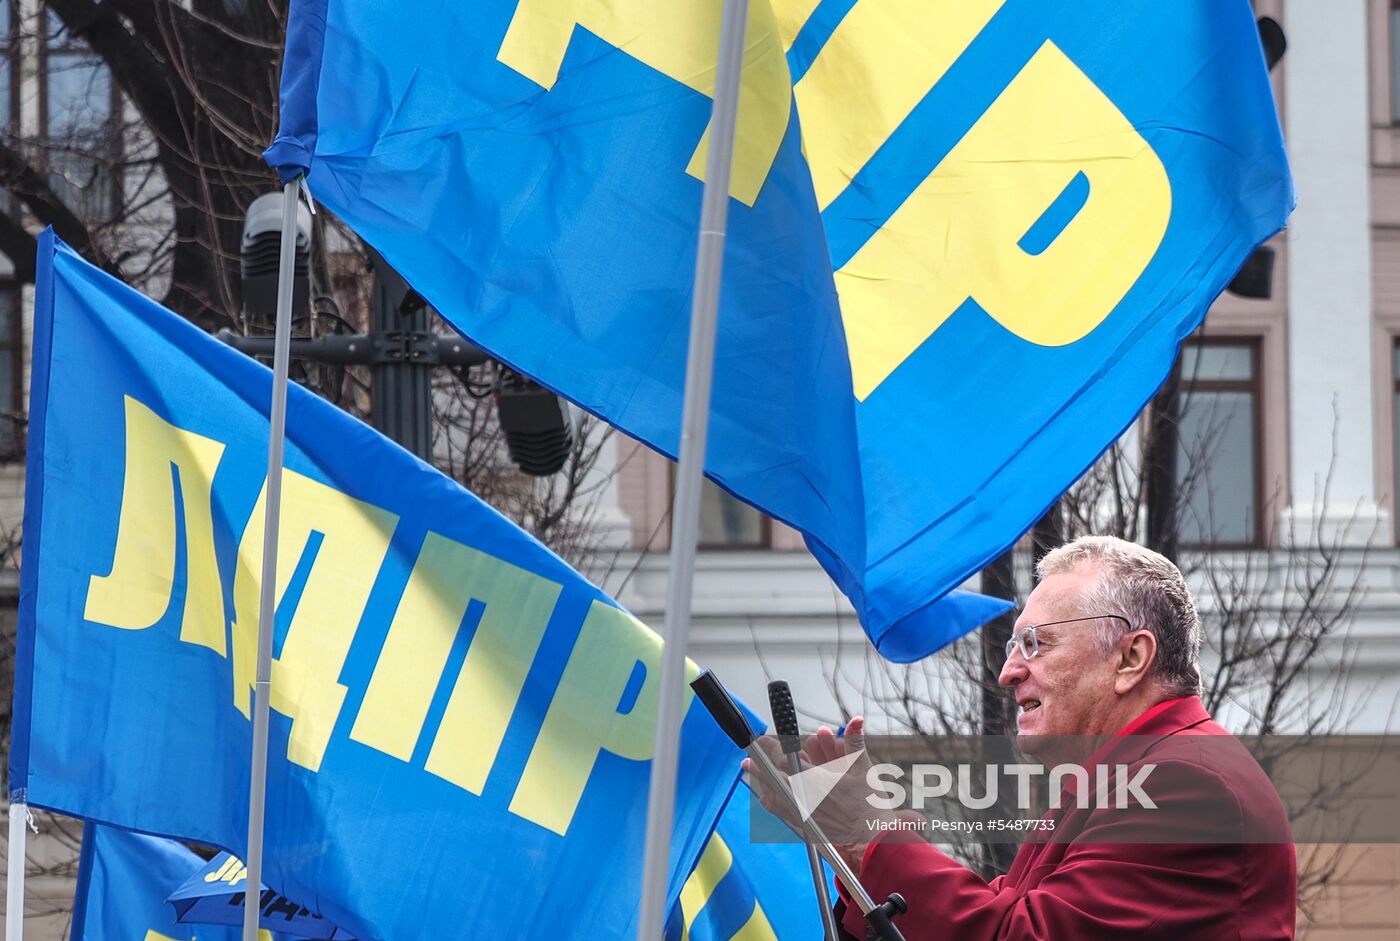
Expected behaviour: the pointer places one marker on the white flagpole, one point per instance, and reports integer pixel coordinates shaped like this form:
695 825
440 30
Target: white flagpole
685 514
276 433
14 875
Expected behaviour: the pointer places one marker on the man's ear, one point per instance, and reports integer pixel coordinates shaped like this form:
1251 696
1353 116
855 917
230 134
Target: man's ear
1134 661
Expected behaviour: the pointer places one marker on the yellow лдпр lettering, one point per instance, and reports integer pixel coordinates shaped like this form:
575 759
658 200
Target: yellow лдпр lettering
152 935
583 719
586 717
757 928
956 237
446 578
137 592
232 871
678 39
305 678
713 866
791 16
880 62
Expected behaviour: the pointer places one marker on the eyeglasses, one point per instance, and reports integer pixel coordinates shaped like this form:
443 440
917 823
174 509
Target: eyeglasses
1029 644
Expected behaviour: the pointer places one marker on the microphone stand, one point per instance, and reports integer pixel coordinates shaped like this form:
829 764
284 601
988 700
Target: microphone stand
721 705
784 714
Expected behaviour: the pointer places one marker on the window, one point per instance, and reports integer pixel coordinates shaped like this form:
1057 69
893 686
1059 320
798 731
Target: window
80 129
727 522
1218 457
9 87
11 391
1395 61
11 348
8 52
1395 419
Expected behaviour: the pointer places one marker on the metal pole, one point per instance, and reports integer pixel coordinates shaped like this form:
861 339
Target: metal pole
814 862
401 405
685 514
262 687
811 830
14 875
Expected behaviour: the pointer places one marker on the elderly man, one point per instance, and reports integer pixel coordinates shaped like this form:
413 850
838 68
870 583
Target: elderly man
1106 647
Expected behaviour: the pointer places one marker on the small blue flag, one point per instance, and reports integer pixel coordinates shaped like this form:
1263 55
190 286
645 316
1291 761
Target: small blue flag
452 705
966 237
123 879
217 895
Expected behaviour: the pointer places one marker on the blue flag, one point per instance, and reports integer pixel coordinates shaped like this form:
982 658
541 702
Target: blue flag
123 879
965 240
747 890
217 894
457 714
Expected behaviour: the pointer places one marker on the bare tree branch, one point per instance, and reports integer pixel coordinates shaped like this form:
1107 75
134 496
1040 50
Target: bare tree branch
32 188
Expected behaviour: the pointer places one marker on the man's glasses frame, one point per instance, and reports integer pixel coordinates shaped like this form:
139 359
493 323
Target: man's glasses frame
1028 643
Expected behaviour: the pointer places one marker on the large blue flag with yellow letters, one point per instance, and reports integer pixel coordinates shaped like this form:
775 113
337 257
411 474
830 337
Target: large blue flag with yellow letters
965 237
461 724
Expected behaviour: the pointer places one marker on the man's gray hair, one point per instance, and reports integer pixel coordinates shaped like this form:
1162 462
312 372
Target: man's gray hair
1147 589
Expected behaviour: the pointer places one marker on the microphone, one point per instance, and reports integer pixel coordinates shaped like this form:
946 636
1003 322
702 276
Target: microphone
715 698
784 714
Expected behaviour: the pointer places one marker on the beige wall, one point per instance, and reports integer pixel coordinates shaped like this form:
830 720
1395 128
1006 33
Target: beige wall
1364 902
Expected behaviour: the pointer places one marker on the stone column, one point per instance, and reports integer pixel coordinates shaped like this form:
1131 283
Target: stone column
1326 82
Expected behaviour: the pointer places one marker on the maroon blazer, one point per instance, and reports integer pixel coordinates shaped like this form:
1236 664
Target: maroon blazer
1090 881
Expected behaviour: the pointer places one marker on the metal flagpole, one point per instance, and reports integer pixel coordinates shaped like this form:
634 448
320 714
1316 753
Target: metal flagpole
262 687
685 514
14 875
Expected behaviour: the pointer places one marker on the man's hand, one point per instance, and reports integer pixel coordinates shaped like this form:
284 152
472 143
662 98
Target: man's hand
834 779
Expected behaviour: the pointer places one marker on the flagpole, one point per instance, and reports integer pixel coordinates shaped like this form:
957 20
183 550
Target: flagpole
276 433
14 874
685 514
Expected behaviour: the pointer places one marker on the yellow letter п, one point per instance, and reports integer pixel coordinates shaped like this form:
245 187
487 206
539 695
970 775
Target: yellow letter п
584 718
445 579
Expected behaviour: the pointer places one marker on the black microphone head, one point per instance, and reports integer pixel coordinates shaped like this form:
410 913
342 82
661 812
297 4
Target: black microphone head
784 715
714 697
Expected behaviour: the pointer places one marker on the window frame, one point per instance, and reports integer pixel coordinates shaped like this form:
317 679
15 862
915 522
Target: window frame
1254 386
12 293
10 49
765 522
75 46
1393 367
12 344
1392 56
